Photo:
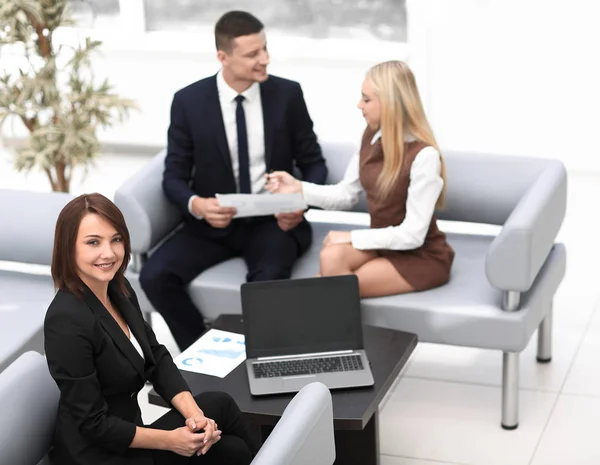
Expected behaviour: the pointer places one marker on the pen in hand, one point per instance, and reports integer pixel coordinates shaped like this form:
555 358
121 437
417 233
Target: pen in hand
272 184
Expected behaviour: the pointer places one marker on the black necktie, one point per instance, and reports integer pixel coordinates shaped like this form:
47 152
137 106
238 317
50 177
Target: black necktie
242 137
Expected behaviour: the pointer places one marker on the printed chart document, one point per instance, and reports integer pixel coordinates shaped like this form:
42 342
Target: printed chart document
262 204
216 353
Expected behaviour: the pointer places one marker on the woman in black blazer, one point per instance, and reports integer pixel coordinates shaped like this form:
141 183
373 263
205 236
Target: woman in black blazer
100 352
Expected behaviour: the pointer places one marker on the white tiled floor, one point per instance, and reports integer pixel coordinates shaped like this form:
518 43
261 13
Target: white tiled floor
445 410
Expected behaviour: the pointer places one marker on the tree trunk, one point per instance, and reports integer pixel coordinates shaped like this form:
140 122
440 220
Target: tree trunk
63 182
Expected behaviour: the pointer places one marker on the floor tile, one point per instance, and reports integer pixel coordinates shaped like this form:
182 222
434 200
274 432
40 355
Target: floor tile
392 460
163 334
150 413
584 376
460 423
479 366
571 436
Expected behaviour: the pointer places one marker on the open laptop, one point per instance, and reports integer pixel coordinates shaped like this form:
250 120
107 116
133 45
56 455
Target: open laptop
304 330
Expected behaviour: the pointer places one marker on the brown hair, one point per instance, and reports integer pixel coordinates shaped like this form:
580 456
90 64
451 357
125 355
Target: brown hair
232 25
64 269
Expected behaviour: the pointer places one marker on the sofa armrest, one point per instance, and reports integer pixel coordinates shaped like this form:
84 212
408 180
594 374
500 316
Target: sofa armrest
304 434
148 213
519 251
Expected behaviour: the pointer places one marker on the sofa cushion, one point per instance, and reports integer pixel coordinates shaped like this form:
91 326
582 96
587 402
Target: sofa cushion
24 299
466 311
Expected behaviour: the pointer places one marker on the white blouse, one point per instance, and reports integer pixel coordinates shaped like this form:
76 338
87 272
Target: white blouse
135 343
424 190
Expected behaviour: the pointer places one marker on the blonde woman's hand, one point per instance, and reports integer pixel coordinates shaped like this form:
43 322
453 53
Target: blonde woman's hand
282 182
337 237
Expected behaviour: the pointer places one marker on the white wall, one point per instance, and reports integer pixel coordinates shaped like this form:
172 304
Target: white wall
519 77
505 76
150 68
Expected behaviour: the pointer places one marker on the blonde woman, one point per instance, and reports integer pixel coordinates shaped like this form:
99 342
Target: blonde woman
401 170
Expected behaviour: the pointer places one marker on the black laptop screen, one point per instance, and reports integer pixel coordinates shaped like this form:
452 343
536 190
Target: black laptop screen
301 316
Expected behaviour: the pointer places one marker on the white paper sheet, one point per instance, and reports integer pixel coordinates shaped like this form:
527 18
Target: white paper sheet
216 353
262 204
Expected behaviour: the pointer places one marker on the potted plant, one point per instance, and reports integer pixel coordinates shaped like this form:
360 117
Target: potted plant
53 91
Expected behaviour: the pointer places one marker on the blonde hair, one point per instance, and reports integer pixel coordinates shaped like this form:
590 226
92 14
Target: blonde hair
401 110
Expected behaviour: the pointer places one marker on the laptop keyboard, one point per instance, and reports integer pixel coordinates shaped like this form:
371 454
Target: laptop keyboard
307 366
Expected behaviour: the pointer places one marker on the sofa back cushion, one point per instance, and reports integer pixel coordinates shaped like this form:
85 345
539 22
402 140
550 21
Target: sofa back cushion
27 223
481 188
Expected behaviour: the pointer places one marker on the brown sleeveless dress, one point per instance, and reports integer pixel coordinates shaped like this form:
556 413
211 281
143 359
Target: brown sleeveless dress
429 265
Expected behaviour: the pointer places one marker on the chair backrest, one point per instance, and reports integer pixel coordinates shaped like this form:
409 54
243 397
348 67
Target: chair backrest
28 405
481 188
304 434
28 221
149 215
337 155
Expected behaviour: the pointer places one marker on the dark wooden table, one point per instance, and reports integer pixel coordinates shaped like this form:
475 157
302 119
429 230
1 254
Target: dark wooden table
354 410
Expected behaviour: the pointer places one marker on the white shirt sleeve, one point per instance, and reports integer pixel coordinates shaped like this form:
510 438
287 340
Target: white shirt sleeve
198 217
424 190
341 196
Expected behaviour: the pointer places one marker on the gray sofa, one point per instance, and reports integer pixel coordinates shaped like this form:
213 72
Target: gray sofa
304 434
502 286
26 237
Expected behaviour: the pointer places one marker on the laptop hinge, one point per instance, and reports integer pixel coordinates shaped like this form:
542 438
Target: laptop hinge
316 354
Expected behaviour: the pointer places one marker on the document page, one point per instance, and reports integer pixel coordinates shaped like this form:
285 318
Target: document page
262 204
216 353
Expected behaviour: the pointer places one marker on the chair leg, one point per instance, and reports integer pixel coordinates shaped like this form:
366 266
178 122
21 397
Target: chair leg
544 348
510 390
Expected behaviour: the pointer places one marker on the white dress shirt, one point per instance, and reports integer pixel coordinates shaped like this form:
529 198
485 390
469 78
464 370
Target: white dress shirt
424 190
135 343
255 130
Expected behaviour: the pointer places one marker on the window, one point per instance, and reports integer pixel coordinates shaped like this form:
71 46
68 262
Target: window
104 8
316 19
99 14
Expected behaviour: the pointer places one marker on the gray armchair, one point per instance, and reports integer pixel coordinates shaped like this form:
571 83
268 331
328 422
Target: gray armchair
28 402
502 286
304 434
26 237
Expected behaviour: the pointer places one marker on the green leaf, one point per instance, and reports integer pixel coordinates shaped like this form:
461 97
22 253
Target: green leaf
62 106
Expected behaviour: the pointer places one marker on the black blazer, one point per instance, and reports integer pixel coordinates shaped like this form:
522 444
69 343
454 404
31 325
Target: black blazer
198 159
99 374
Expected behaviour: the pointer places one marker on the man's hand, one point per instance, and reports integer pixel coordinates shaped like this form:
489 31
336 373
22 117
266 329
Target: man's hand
211 211
337 237
288 221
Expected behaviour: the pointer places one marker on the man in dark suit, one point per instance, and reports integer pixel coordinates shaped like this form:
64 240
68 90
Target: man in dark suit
227 131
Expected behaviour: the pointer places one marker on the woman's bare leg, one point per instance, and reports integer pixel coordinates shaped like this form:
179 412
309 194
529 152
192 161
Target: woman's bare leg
378 277
340 259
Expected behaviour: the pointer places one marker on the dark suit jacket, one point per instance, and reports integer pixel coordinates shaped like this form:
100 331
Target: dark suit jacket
99 374
198 159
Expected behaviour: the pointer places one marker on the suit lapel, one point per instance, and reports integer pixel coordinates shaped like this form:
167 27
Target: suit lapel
134 321
218 127
269 119
113 329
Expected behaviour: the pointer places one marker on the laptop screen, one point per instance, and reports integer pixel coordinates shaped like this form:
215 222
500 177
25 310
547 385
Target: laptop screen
298 316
